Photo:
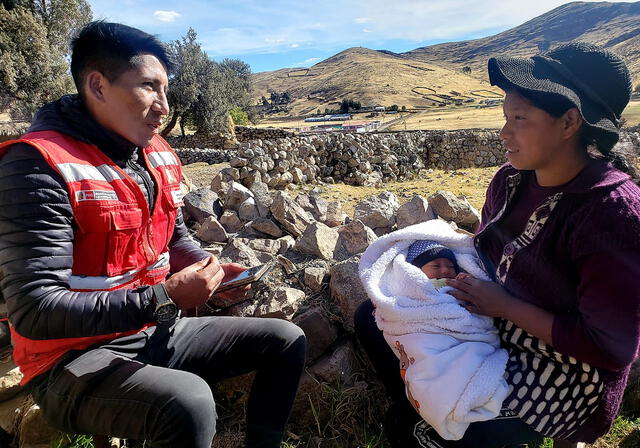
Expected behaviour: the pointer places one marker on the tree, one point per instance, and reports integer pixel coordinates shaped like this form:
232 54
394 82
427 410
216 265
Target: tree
394 108
347 104
30 72
203 92
34 49
184 84
466 69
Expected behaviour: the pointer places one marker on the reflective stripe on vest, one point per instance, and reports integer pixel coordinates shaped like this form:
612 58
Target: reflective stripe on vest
118 243
103 283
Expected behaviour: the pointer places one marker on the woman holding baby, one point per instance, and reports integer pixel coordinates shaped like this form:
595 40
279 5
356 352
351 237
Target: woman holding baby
560 237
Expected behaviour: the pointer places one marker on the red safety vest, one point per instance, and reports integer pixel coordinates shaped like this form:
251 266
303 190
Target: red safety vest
117 242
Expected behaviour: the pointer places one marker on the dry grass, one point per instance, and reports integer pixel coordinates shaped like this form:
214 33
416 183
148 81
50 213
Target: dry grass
469 182
632 113
440 118
452 117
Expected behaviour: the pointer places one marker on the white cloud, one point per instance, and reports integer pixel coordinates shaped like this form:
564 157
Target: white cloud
281 26
310 60
166 16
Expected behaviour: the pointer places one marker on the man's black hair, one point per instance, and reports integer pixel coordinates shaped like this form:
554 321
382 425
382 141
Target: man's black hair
111 49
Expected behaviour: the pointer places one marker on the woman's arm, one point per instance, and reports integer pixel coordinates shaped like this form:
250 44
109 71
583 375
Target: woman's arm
603 331
490 299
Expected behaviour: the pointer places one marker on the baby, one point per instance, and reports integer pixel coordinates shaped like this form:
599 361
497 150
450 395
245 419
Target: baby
436 261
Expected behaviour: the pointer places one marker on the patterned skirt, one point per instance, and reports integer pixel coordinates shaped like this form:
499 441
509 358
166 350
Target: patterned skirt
553 393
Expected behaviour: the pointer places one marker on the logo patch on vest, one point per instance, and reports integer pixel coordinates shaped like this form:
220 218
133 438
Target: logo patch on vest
177 196
96 195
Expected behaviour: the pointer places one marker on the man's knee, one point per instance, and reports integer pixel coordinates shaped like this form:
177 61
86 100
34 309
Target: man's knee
290 337
188 412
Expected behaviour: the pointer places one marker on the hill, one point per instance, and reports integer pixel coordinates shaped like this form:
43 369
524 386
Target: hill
372 78
615 26
431 75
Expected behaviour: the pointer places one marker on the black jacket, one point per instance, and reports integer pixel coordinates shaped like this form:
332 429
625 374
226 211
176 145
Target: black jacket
36 237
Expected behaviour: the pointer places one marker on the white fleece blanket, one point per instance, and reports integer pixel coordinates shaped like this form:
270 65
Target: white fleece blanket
453 360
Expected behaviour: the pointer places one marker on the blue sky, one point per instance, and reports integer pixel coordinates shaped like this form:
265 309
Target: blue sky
274 34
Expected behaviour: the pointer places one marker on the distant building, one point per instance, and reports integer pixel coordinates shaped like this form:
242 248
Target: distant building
378 108
335 117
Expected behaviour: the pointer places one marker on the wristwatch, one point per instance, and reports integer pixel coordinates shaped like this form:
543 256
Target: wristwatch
166 311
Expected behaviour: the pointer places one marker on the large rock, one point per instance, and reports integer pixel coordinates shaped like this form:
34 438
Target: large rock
211 231
289 214
286 243
314 276
9 381
337 366
267 226
265 245
238 252
320 332
236 195
415 211
260 192
318 240
247 211
221 182
354 238
201 204
346 289
447 206
313 204
34 429
378 211
283 302
335 216
230 221
334 369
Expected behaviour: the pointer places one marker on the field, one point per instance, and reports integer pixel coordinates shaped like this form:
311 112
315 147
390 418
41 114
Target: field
440 118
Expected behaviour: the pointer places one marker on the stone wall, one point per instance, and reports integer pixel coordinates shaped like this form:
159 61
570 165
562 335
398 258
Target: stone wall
208 155
246 133
362 159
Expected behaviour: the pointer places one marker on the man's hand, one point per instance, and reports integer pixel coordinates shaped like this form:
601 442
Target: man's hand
231 271
193 285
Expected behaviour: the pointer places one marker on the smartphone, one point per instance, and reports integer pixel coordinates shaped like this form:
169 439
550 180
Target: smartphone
245 277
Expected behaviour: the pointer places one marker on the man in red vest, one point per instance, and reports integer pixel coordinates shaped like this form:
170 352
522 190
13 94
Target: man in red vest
90 229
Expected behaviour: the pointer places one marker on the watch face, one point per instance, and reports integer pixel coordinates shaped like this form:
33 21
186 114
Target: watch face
166 313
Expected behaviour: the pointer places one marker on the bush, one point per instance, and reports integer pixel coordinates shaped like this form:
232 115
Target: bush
239 116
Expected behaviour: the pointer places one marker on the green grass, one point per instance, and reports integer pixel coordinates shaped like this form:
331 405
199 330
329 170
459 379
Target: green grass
72 441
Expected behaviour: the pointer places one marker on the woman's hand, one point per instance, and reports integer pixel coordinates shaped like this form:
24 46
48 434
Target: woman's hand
481 296
491 299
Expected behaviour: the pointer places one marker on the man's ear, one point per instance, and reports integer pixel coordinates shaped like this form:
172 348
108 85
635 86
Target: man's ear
572 121
95 84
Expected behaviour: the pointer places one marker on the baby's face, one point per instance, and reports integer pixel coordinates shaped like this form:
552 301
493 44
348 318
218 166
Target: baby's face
439 268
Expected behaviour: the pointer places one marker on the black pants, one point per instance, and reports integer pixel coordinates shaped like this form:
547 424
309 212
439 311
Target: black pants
405 428
155 385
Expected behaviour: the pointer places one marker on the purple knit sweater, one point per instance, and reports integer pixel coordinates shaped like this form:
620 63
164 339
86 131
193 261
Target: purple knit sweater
583 266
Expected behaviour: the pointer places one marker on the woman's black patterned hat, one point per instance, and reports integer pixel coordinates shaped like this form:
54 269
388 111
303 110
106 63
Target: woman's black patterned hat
594 80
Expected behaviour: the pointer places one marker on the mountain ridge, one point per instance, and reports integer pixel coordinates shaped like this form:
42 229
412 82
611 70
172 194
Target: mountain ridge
433 75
